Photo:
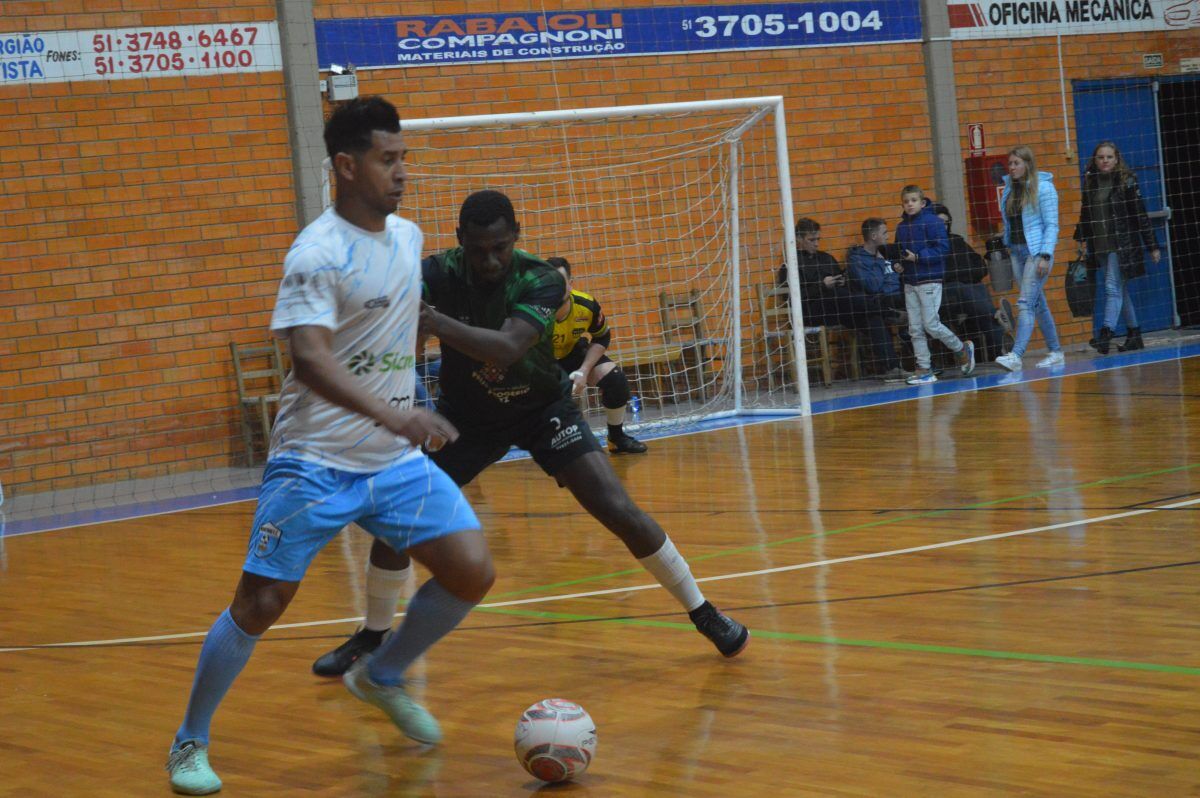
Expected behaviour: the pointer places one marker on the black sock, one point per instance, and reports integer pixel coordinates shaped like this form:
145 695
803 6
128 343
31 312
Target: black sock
617 431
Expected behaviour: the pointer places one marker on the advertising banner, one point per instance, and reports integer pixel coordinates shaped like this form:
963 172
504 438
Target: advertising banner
490 38
1012 19
119 53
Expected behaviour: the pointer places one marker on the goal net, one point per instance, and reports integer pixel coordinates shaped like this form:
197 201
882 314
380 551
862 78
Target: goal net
675 217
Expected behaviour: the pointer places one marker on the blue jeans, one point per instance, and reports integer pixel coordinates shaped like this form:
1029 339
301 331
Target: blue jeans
1032 304
1116 295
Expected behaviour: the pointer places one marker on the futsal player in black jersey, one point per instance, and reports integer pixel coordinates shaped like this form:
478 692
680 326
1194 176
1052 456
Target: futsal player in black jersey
581 336
492 307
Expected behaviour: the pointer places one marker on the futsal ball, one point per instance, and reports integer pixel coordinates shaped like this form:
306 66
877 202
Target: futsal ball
555 739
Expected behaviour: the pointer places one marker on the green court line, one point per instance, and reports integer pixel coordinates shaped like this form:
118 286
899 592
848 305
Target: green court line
854 528
888 645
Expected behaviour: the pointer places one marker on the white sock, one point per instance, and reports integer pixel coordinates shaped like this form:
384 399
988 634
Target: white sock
615 416
672 572
384 589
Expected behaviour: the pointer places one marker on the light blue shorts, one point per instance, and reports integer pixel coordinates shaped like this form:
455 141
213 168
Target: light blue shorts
302 506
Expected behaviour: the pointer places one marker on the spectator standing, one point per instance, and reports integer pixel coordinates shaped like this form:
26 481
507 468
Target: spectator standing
922 236
1114 233
1029 204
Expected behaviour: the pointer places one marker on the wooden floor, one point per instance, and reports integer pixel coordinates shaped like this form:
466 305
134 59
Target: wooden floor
992 593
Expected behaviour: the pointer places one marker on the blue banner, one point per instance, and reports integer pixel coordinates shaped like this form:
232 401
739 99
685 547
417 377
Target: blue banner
483 38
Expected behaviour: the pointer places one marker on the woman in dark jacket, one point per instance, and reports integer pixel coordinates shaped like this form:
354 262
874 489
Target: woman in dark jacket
1114 232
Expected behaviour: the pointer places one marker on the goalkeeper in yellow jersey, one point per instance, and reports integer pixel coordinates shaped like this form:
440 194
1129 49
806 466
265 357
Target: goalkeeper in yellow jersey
581 336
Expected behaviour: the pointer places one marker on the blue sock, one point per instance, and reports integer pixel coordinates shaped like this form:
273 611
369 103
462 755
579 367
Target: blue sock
430 615
222 657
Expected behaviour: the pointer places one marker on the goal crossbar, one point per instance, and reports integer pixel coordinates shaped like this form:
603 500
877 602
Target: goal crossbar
587 114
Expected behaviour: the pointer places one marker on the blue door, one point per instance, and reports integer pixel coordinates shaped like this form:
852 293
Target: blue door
1125 111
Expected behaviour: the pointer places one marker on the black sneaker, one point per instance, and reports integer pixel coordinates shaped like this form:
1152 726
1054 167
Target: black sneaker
338 661
624 443
729 636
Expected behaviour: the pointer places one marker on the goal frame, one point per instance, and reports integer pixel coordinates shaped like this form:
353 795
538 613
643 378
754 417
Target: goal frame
760 107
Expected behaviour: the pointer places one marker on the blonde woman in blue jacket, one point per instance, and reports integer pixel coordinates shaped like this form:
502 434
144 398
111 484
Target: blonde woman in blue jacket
1030 207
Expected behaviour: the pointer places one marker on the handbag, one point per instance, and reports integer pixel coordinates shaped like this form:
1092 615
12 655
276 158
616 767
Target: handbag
999 264
1080 287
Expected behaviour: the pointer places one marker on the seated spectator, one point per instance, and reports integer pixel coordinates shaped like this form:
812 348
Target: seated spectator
826 299
964 293
870 269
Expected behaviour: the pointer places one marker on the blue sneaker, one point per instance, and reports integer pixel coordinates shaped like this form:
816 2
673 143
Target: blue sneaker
190 772
968 366
409 716
928 378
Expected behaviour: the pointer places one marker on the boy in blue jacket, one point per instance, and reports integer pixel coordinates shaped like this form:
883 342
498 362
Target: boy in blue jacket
923 239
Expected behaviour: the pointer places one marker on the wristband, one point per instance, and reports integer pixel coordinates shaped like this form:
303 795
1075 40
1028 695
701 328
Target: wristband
575 375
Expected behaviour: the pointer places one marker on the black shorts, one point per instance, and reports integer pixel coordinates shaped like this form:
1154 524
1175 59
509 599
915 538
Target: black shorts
574 358
555 436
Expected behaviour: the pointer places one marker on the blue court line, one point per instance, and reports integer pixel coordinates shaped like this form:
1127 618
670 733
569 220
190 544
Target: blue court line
1093 365
123 512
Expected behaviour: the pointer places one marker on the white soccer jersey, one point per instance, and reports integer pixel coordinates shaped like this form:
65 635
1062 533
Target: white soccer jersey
366 288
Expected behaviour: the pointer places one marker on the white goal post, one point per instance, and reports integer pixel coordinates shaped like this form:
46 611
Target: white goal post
675 216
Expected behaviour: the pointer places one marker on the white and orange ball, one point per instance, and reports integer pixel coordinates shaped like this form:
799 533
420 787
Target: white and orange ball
555 740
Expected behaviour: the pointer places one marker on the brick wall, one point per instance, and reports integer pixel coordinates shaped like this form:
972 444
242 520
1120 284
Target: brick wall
142 227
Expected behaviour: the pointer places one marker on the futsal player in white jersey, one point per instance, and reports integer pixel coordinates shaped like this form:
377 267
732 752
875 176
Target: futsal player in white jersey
346 446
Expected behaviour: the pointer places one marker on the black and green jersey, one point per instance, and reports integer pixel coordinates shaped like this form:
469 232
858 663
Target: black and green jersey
482 394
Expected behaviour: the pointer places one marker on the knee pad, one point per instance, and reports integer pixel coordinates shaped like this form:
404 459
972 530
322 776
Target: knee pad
614 389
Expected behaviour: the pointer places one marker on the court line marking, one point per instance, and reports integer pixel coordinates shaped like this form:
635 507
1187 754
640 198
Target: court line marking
1075 368
728 552
892 645
870 556
632 588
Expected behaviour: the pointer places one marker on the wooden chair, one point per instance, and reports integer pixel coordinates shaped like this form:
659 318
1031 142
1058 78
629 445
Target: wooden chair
259 373
682 318
658 359
777 337
851 345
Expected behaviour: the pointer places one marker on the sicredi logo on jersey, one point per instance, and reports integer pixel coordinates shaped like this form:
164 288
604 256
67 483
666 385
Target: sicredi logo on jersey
366 362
